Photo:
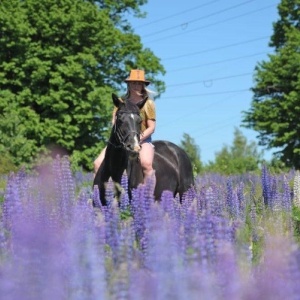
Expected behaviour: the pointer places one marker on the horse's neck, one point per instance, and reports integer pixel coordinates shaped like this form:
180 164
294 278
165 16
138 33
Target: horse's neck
115 161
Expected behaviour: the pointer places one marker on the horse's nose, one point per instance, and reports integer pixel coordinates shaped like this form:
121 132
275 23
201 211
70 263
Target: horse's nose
137 148
133 147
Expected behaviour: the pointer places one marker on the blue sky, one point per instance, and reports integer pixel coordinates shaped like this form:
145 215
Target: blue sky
209 49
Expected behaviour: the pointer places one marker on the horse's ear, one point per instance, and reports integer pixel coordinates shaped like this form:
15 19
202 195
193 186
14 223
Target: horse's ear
117 101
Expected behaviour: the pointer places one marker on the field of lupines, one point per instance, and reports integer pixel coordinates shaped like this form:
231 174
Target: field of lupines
231 238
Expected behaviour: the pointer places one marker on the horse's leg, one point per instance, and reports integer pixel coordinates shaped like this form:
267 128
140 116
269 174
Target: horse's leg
98 161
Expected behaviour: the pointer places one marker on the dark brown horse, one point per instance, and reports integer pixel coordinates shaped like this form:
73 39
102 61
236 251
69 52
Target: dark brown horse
173 168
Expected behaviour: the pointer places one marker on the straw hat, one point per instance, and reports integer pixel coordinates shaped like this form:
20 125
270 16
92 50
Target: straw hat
137 75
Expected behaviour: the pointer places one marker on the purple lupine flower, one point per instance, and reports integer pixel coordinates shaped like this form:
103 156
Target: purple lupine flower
167 203
207 228
124 198
227 273
120 286
36 255
110 192
141 204
286 195
191 226
272 276
268 187
253 222
149 191
232 201
64 185
86 255
212 202
189 196
241 201
112 220
96 198
222 230
11 201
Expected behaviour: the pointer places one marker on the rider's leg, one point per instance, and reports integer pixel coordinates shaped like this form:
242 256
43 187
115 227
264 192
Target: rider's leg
146 157
98 161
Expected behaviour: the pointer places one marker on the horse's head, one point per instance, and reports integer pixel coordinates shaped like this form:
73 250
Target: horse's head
127 125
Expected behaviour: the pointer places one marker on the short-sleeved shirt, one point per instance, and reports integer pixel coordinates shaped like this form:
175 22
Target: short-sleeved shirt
147 112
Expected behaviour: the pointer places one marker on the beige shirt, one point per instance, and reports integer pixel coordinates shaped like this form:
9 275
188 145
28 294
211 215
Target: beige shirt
147 112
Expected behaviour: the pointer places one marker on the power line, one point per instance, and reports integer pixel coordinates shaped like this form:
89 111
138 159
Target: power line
211 80
212 24
218 48
177 14
197 112
217 62
199 19
215 125
207 94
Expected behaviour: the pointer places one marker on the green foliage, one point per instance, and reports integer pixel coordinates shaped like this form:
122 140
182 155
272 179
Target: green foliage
6 164
193 151
296 222
239 158
275 108
276 166
60 60
126 214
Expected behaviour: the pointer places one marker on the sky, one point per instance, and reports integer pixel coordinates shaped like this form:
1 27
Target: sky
209 49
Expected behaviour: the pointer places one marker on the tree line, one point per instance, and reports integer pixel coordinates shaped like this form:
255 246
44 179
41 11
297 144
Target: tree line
60 61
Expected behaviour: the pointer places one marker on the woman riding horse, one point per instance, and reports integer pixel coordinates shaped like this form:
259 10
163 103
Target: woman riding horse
138 94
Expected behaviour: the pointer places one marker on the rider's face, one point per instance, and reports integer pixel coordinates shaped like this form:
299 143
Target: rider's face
135 86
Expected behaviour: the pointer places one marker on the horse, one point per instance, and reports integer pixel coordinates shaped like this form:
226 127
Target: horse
173 168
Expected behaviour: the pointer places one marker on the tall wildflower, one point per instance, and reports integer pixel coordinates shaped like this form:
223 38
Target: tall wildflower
167 203
296 189
286 195
12 200
272 277
227 272
241 201
191 231
36 249
232 201
268 186
85 253
142 201
112 220
64 186
124 198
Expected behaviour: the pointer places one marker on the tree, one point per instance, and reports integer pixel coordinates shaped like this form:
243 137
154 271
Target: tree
193 151
239 158
275 107
60 61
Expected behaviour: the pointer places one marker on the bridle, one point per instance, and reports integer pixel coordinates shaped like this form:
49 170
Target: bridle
121 140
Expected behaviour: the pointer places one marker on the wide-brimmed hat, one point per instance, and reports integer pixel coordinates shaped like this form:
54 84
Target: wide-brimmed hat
137 75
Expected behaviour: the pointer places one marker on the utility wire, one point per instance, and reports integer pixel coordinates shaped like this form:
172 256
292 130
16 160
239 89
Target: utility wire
218 48
177 14
216 62
197 112
211 24
199 19
210 80
207 94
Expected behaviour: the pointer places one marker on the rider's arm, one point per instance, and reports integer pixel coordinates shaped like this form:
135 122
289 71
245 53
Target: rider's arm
149 119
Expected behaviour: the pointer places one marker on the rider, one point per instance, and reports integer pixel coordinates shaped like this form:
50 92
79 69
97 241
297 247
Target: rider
138 93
